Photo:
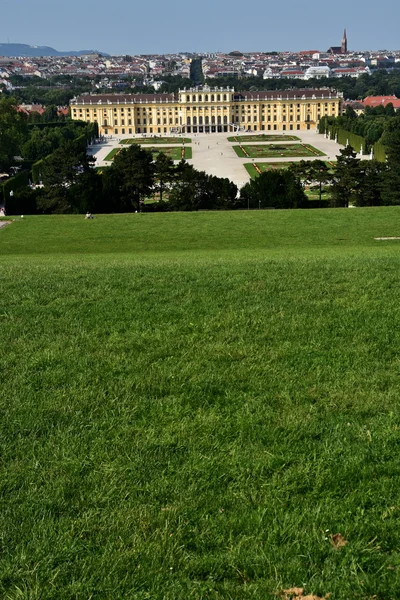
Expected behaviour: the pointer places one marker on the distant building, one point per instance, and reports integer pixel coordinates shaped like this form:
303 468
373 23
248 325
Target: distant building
340 49
374 101
207 110
317 73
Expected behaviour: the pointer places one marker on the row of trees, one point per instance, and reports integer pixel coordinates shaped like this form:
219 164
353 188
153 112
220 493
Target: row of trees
134 182
370 125
137 182
32 137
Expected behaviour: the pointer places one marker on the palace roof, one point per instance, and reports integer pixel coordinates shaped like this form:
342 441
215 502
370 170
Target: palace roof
294 94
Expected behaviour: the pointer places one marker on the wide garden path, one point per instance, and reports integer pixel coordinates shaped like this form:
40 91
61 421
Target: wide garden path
213 153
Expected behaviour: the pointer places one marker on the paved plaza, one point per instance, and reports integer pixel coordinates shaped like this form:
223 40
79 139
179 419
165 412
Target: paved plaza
213 153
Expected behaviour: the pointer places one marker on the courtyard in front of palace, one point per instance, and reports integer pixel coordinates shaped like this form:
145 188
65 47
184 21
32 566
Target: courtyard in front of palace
216 155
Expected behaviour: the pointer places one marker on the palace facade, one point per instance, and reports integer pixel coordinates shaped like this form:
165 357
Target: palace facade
207 110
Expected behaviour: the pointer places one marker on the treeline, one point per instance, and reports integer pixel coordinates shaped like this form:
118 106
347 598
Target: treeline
137 182
33 137
379 83
59 90
134 182
351 180
370 125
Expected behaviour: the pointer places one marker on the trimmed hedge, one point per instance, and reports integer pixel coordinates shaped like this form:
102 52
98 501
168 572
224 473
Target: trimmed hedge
343 136
36 170
54 124
379 152
13 184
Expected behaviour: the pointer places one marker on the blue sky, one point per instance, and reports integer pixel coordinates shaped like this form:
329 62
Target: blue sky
119 26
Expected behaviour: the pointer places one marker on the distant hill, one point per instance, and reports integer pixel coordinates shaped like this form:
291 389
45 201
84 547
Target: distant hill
26 50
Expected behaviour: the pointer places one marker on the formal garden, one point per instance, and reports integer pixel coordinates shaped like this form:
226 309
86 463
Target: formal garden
173 152
262 137
276 151
157 140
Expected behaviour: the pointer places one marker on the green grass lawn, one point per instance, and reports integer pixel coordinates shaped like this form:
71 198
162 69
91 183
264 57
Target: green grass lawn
112 153
157 140
277 151
176 153
262 137
254 169
173 152
193 404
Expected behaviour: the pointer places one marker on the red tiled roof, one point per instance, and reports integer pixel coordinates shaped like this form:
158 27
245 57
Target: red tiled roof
381 101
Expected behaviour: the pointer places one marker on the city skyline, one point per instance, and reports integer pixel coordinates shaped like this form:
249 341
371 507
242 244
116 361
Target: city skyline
222 27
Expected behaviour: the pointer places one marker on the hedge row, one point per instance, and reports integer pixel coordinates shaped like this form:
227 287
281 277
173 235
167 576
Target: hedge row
356 141
13 184
379 152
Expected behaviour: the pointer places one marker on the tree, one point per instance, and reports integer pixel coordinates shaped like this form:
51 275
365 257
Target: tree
346 177
190 190
134 170
391 142
13 131
164 173
274 189
50 115
372 178
320 173
66 175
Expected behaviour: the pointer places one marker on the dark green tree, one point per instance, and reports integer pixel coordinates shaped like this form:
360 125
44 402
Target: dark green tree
346 177
50 115
372 179
13 132
391 142
66 174
134 170
190 190
274 189
164 173
320 174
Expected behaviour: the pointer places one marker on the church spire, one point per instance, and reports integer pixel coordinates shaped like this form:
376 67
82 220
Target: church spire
344 43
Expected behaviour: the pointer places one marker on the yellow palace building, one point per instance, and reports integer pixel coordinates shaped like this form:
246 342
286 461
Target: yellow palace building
207 110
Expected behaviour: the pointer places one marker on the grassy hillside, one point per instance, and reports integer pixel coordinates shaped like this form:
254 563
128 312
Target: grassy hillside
192 405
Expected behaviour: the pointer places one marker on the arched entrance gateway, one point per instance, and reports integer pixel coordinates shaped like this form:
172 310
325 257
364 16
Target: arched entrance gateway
207 110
